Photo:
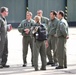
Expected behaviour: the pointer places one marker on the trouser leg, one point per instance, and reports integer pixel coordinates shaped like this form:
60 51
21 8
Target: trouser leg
43 55
61 51
1 50
49 55
35 54
54 43
25 49
65 61
65 53
31 46
5 53
49 51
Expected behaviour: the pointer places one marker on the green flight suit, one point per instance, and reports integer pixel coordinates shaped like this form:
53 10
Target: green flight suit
49 51
52 32
27 38
62 33
45 21
3 36
39 47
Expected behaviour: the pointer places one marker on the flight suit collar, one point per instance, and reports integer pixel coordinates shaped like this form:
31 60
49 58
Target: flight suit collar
28 20
2 17
61 19
53 19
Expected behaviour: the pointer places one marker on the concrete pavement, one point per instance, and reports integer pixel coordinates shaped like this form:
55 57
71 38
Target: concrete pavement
15 57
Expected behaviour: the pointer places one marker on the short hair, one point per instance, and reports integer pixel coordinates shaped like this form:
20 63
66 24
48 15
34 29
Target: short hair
28 12
61 13
54 12
2 9
40 11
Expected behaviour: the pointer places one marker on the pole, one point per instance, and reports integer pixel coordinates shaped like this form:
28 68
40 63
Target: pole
27 6
66 10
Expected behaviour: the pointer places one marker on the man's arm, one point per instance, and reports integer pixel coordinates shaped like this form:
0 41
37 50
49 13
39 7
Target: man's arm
63 29
20 28
0 29
0 25
9 27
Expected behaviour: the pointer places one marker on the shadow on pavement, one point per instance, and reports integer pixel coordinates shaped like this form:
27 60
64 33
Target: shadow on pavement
16 70
19 70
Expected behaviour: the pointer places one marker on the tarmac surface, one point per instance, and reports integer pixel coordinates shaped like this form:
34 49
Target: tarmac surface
15 57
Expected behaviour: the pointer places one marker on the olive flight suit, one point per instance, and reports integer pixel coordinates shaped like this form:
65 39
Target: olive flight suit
27 38
39 47
62 33
3 40
45 21
52 33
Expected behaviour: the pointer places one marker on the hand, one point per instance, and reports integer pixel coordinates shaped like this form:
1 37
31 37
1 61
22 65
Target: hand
27 31
46 43
55 35
9 27
67 37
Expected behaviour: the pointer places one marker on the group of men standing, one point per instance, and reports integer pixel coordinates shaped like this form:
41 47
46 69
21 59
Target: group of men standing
54 47
57 39
57 28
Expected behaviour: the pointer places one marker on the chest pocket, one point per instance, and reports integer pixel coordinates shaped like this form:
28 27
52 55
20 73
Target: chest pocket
27 25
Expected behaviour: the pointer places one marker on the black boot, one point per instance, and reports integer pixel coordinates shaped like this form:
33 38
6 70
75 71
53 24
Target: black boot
1 66
59 67
6 66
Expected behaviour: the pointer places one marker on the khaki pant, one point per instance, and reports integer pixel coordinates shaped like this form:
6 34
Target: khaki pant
5 52
61 51
39 47
2 43
27 40
54 46
49 51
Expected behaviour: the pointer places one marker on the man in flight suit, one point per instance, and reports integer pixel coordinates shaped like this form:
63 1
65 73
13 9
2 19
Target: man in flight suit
45 20
52 34
24 28
62 34
3 37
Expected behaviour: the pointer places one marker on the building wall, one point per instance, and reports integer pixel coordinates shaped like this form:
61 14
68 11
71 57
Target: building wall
17 9
71 10
45 5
